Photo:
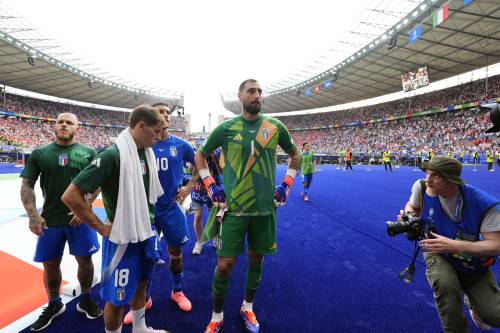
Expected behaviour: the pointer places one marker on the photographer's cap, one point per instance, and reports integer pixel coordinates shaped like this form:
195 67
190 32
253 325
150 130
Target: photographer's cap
448 167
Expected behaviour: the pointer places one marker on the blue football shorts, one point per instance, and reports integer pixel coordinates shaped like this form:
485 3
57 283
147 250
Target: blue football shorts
173 224
82 242
307 178
124 266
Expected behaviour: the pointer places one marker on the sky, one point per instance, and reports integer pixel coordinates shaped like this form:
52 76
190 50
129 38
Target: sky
203 48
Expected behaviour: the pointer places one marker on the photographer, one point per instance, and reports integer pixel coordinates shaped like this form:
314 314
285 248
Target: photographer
458 255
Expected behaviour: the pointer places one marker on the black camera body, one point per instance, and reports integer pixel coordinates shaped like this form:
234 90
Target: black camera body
415 230
412 226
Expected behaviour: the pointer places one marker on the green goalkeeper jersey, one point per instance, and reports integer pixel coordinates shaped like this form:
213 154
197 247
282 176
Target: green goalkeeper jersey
56 166
248 161
306 163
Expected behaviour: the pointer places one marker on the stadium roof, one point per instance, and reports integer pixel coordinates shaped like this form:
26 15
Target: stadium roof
469 39
33 62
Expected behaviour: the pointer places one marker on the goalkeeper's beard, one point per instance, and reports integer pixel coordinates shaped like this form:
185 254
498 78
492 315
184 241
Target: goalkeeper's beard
252 108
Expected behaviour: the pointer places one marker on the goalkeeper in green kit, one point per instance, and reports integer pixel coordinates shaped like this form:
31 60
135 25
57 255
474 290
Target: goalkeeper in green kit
248 163
307 168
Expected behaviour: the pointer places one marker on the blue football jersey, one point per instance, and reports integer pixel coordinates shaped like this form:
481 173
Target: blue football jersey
170 157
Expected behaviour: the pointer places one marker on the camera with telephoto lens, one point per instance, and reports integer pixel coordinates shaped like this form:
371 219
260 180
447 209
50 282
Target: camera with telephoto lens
412 226
415 229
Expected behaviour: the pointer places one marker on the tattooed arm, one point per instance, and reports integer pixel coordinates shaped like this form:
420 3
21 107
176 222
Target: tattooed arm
294 159
36 222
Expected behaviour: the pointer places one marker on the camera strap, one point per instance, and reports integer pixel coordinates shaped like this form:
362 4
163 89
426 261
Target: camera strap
408 273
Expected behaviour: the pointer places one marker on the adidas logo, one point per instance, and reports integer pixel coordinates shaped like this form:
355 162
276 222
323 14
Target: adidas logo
93 248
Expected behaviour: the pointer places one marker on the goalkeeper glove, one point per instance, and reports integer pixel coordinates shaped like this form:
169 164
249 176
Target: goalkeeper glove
281 192
215 192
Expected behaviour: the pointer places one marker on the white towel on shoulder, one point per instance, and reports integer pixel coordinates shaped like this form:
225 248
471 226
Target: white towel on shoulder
131 223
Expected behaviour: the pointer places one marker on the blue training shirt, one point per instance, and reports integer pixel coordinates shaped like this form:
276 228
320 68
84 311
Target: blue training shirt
170 157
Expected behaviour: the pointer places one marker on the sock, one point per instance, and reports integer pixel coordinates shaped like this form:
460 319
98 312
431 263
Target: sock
177 281
219 290
138 320
254 274
84 296
217 316
118 330
246 306
55 300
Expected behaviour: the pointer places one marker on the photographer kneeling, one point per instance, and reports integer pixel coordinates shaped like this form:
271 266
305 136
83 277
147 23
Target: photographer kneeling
458 255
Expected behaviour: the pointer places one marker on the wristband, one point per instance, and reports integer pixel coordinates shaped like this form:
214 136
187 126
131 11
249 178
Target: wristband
291 172
204 173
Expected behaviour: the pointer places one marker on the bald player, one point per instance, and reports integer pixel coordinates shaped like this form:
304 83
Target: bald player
57 164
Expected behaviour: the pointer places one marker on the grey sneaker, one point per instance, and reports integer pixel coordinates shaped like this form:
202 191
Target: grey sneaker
197 248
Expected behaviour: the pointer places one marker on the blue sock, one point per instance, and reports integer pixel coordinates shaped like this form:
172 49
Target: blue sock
55 300
177 281
84 296
305 190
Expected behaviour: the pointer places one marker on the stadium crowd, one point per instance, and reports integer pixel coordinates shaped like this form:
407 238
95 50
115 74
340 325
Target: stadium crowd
454 132
449 132
465 93
444 133
25 132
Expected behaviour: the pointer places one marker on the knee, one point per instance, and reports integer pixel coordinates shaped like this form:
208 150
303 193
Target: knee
226 267
255 258
85 262
52 271
174 253
443 290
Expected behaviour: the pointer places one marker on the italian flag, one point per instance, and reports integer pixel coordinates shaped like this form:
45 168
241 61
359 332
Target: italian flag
440 16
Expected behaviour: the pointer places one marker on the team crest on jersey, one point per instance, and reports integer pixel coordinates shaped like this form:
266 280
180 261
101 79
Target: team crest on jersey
265 133
63 159
173 151
120 294
218 242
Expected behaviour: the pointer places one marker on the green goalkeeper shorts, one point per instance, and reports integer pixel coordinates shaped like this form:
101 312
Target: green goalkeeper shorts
260 232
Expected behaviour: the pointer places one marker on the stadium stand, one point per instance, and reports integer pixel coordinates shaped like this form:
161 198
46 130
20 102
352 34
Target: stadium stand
30 125
370 130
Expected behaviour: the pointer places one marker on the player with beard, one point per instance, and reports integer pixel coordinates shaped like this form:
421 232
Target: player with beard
248 163
57 164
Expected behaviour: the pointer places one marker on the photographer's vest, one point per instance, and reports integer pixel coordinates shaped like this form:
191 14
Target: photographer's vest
386 157
475 205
